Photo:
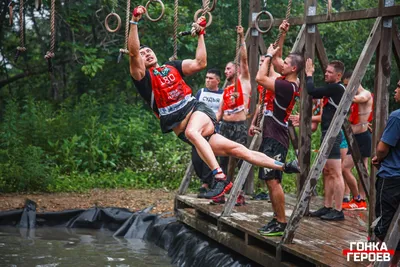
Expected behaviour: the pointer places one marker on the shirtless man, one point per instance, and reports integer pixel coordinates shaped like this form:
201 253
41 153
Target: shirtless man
360 116
164 89
233 108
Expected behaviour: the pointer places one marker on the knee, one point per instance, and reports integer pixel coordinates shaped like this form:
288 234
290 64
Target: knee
191 134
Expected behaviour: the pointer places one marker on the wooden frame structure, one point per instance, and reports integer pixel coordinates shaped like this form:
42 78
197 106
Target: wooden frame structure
383 39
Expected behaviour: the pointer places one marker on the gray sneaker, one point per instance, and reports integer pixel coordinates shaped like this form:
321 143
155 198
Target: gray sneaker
291 167
333 215
322 211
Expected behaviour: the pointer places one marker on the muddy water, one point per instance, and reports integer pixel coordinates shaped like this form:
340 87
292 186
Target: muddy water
48 247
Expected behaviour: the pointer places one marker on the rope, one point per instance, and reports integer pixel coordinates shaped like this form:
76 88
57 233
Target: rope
21 48
50 54
238 43
196 27
128 7
275 44
175 54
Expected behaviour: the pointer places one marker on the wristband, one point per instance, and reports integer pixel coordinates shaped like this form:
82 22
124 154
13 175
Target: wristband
133 22
269 55
242 44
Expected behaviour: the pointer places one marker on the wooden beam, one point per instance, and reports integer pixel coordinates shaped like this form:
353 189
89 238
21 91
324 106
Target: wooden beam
298 45
186 179
392 236
370 13
382 81
333 131
396 44
306 105
356 155
293 138
321 53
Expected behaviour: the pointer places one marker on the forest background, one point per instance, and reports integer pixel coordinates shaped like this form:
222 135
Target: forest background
87 127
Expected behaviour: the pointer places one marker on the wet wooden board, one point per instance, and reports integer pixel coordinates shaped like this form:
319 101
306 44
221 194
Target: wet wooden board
316 242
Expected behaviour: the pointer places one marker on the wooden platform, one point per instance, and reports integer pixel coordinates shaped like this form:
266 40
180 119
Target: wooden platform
316 242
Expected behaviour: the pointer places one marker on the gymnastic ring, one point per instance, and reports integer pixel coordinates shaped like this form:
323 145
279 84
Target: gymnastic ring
214 4
112 14
197 14
147 10
258 20
38 4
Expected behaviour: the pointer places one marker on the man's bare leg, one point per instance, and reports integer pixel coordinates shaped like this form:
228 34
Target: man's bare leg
277 199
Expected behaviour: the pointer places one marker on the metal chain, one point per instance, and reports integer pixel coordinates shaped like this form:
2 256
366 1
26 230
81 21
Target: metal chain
175 54
238 44
265 4
261 113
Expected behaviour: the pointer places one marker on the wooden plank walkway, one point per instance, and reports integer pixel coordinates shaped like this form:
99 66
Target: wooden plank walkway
316 242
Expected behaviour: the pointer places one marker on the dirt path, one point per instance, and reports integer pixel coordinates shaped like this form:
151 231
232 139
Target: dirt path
133 199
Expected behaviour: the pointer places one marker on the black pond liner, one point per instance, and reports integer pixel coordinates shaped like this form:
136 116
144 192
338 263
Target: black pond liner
185 246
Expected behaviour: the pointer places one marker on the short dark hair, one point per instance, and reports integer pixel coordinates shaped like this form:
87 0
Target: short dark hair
337 65
215 71
144 46
297 60
347 74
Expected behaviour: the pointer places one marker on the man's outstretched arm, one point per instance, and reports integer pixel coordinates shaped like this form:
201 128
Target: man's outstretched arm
136 63
192 66
277 60
262 79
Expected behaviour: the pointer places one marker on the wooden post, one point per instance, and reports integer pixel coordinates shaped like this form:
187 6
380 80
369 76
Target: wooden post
392 236
356 155
306 102
333 131
321 53
253 48
186 179
381 114
293 138
396 45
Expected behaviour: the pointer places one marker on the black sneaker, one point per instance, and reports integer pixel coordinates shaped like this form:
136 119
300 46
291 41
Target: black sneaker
291 167
268 225
276 229
322 211
220 188
333 215
261 196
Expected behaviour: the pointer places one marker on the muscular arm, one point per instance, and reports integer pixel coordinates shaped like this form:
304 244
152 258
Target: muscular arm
363 97
319 92
136 63
192 66
382 150
244 63
220 112
262 79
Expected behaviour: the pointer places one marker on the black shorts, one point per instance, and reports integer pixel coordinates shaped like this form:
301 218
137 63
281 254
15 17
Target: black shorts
234 130
202 107
387 202
335 152
364 141
273 149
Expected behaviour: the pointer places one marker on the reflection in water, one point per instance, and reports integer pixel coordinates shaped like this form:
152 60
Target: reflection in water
47 247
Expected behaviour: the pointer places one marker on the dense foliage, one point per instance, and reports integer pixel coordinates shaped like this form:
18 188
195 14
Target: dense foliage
86 126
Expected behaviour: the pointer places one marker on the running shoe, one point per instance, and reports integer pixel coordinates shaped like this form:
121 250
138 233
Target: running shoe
218 200
355 205
221 187
320 212
261 196
291 167
276 229
240 201
268 225
333 215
